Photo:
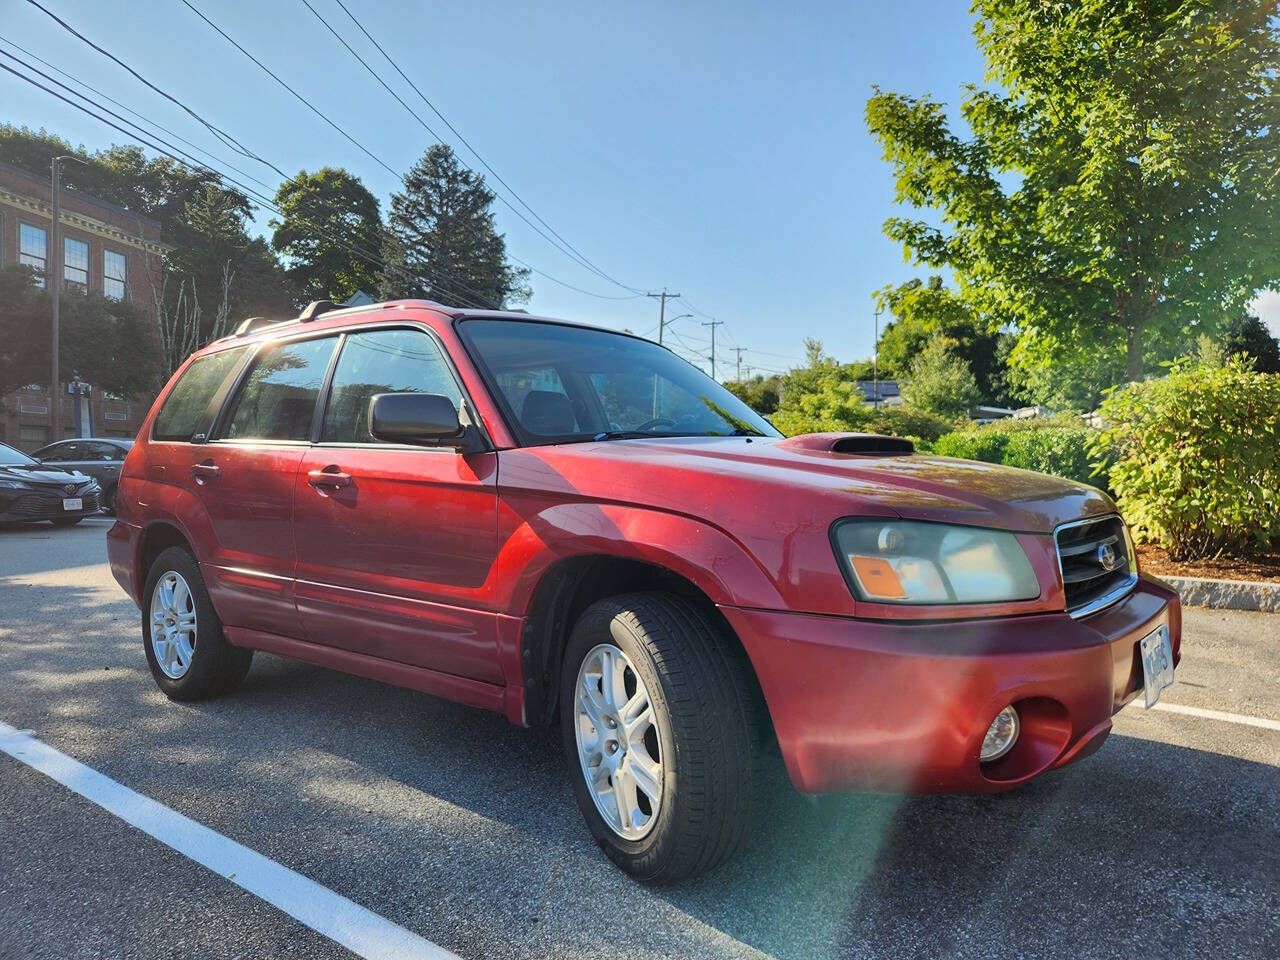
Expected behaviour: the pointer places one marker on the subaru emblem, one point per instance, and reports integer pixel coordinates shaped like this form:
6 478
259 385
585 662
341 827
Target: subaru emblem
1108 560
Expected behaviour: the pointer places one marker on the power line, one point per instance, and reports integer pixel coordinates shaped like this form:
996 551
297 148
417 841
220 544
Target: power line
222 135
562 246
194 164
465 142
126 109
300 98
373 258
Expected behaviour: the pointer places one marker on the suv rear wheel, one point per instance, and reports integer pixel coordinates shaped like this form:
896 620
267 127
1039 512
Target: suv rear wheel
182 635
660 722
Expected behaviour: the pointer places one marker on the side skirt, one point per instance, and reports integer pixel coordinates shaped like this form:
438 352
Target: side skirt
474 693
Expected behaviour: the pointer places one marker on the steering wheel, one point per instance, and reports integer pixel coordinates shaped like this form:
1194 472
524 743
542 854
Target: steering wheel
655 422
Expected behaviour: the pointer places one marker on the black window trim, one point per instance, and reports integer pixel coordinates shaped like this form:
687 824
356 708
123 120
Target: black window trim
227 404
214 405
468 409
226 397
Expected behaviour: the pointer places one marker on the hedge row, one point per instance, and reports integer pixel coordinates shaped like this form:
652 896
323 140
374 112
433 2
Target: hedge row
1060 446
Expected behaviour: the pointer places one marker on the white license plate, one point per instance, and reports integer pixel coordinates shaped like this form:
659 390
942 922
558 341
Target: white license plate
1157 664
73 503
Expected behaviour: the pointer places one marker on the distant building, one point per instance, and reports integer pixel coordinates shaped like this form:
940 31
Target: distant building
107 250
886 390
358 299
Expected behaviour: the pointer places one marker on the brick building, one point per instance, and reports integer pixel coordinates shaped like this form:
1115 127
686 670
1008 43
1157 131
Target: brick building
106 250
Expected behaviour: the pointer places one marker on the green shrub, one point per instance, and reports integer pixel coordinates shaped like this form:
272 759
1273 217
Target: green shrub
833 404
982 444
1195 459
1056 445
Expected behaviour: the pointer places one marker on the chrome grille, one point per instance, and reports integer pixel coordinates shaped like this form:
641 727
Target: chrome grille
1095 561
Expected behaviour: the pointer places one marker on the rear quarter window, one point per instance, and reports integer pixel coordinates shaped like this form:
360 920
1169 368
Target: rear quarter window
186 409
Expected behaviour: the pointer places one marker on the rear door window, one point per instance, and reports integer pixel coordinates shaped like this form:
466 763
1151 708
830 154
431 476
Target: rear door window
186 409
382 361
277 399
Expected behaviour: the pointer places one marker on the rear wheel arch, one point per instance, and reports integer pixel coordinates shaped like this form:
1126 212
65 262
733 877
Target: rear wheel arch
156 538
567 589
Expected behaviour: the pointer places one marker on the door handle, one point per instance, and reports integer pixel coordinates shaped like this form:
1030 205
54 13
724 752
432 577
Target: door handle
205 471
328 478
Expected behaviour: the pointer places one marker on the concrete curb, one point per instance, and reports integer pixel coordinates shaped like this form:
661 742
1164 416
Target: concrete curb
1226 594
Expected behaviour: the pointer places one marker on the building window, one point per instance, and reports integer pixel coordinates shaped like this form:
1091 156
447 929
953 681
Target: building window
113 275
32 436
33 249
75 265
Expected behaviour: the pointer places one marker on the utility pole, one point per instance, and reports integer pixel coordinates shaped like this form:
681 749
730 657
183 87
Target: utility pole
713 324
875 367
53 278
663 297
738 371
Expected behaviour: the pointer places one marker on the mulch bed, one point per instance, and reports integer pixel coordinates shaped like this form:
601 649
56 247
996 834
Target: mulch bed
1264 567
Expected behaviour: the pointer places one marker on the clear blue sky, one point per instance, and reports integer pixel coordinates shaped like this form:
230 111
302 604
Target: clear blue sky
715 147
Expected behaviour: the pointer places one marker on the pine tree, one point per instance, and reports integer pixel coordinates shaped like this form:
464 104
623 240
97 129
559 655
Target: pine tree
441 242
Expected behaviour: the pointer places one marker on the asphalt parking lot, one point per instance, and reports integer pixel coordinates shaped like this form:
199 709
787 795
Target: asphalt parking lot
457 827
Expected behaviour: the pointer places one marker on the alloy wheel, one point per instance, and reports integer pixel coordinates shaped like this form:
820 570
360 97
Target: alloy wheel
173 625
618 741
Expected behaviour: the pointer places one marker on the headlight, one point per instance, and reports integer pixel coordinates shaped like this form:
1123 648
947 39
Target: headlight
13 484
905 561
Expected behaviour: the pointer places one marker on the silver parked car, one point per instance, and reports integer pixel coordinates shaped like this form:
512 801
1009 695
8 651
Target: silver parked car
99 457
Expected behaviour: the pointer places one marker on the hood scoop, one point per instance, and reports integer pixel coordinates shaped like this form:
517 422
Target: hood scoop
858 444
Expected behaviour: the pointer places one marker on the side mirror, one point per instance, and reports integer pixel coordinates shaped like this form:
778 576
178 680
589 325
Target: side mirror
428 419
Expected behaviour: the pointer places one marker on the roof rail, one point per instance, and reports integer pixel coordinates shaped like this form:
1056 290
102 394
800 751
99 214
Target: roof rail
315 308
252 324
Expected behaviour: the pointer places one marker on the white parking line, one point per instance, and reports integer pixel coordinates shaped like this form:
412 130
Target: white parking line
1262 722
359 930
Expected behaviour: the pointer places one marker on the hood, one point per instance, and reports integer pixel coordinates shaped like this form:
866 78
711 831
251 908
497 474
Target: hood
813 478
43 475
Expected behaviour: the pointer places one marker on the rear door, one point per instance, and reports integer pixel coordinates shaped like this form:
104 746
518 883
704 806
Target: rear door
396 543
244 478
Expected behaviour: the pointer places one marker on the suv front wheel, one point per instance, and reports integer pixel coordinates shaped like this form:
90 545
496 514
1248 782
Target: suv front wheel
661 727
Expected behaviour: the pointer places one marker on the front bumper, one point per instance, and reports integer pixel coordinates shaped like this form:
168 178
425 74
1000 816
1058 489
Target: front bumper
875 705
23 506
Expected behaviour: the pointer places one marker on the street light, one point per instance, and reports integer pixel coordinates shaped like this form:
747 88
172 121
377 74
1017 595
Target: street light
663 324
55 288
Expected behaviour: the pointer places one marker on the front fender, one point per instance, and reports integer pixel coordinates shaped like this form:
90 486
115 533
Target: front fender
704 555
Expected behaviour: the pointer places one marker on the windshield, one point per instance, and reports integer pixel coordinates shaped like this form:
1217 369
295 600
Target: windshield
9 457
562 383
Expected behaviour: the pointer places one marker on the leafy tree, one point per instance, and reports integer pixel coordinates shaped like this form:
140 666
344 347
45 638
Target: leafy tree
760 393
109 343
1250 336
24 314
315 209
923 310
1117 185
940 381
213 242
442 244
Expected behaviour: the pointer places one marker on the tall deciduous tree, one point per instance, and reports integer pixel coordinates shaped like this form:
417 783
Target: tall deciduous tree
442 244
1117 185
940 381
1250 336
923 310
330 232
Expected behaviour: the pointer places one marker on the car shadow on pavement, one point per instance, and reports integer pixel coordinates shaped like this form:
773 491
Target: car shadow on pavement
455 824
1155 844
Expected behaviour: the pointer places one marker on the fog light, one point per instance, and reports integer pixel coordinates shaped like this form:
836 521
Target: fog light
1001 735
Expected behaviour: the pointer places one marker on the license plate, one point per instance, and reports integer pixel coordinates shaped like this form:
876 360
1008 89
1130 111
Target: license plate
73 503
1157 664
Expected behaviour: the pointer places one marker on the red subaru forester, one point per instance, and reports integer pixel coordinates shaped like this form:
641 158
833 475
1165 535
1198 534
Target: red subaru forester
553 520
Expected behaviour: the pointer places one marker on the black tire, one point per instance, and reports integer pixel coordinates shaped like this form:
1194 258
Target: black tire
709 733
109 501
216 667
66 521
